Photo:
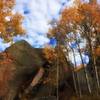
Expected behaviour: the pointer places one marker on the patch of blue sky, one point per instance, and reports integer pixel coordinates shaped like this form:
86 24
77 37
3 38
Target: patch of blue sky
3 45
53 42
26 9
78 59
39 40
73 45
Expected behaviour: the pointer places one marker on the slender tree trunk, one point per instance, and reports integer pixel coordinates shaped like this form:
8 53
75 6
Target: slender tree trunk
85 70
91 49
74 74
78 80
58 46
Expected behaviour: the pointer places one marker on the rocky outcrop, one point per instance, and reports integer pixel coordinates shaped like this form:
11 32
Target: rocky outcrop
18 64
21 67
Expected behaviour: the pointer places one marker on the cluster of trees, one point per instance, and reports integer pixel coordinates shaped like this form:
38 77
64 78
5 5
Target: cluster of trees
77 23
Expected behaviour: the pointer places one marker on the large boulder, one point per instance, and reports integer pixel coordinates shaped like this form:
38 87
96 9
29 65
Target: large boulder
18 64
24 54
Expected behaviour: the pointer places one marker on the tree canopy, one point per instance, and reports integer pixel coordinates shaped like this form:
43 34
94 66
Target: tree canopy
78 23
10 23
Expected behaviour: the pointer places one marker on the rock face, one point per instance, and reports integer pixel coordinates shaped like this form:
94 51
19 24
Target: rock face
24 54
17 64
20 63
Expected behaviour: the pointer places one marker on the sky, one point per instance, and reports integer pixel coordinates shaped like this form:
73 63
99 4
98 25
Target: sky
37 16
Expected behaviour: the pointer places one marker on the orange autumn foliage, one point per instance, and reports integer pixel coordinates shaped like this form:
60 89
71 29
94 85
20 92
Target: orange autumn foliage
6 69
84 19
50 53
10 24
91 13
71 16
85 15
